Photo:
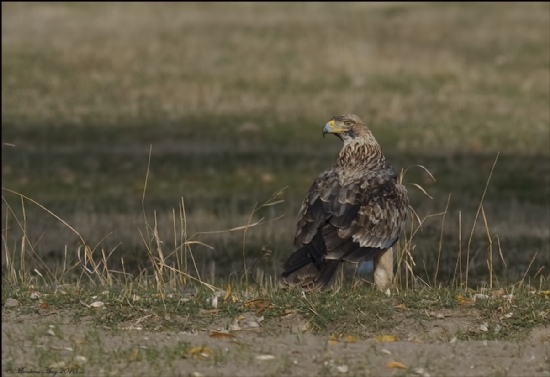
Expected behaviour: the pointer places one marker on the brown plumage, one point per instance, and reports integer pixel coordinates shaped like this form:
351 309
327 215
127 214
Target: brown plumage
353 212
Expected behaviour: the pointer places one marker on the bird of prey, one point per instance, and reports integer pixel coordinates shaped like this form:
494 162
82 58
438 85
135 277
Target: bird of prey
353 212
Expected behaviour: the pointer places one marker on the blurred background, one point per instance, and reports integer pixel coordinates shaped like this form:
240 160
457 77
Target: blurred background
232 99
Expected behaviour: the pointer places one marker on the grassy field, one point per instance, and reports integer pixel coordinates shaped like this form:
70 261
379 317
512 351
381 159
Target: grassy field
232 97
163 151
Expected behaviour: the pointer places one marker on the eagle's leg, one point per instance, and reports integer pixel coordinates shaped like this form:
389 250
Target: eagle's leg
383 271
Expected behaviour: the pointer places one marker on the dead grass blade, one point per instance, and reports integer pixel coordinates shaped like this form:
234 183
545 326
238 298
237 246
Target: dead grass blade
243 227
47 210
528 268
500 251
209 286
422 189
490 261
476 217
458 264
441 240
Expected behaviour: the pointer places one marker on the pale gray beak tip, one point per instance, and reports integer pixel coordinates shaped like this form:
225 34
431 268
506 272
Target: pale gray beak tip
327 129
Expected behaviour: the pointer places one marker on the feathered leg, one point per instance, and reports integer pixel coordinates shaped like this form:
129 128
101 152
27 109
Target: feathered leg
383 271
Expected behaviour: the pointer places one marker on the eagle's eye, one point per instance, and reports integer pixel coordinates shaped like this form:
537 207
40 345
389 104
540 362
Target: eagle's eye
348 124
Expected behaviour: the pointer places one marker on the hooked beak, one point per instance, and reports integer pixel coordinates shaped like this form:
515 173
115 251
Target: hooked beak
328 128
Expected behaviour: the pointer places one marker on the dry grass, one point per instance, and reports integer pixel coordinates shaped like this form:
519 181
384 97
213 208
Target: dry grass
170 269
138 241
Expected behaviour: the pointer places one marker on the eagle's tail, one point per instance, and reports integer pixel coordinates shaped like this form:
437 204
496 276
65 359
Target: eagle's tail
301 269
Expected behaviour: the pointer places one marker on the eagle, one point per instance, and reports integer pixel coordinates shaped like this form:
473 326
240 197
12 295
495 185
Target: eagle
353 212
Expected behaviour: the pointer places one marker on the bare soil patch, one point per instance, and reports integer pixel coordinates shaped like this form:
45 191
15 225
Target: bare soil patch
281 346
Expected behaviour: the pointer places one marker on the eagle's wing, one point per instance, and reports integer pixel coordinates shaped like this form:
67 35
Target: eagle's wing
352 222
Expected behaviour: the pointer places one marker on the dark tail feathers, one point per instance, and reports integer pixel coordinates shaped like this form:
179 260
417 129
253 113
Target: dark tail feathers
301 269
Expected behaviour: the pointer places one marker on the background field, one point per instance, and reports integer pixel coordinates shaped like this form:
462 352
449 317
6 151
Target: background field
232 99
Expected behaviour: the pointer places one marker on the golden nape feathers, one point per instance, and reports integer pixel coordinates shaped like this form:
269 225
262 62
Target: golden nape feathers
353 212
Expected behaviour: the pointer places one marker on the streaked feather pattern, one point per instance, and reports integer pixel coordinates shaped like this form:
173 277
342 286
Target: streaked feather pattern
353 211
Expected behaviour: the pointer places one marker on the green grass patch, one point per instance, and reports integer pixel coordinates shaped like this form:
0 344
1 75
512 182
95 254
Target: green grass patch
507 314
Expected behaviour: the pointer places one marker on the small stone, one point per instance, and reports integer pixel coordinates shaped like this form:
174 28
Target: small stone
478 296
80 359
35 295
419 371
11 303
234 327
342 368
265 357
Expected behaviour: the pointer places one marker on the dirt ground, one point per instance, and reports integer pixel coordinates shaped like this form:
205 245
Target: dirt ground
49 342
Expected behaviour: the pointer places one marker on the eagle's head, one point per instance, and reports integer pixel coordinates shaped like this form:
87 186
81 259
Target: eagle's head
346 127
